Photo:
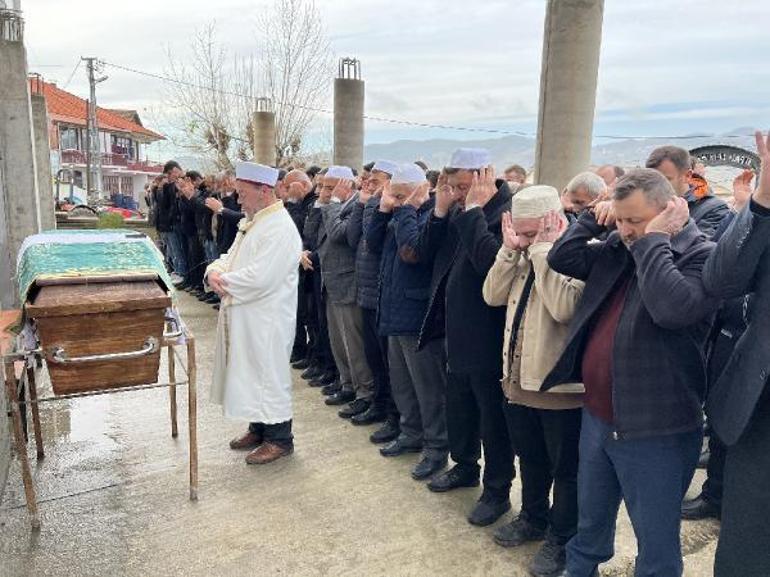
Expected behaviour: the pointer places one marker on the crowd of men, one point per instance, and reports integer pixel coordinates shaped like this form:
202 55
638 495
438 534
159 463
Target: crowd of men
580 330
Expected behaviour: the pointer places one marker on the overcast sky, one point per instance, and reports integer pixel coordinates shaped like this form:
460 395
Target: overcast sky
666 67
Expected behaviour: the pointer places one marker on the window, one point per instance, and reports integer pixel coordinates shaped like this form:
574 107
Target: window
69 138
123 145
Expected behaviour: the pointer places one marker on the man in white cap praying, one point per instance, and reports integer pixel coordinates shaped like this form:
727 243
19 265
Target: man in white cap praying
257 282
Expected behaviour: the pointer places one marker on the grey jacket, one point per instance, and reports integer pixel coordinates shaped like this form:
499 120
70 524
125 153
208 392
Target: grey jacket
741 265
337 251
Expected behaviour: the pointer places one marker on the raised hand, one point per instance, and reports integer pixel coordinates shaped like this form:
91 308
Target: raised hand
445 197
604 211
742 189
213 204
511 240
343 190
388 201
419 196
551 227
762 193
673 218
483 187
367 191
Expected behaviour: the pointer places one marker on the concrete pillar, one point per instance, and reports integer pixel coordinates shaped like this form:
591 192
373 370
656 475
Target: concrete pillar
570 66
263 132
17 148
43 160
349 115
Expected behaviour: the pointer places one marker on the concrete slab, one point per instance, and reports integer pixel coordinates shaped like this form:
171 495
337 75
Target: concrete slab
113 491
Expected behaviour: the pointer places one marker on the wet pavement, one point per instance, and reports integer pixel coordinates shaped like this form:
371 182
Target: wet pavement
114 500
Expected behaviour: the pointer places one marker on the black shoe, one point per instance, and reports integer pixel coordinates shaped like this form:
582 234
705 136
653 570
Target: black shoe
331 388
700 508
454 478
180 285
342 397
215 307
325 379
566 573
518 532
373 414
427 468
487 512
550 560
385 434
311 373
297 356
396 448
203 297
355 408
301 364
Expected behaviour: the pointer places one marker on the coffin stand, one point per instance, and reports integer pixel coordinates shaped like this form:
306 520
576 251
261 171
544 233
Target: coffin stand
97 336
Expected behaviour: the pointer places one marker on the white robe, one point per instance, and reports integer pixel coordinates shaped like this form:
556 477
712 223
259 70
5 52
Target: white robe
255 331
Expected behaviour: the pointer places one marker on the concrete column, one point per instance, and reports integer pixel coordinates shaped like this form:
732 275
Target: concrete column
43 160
349 115
570 66
17 149
263 132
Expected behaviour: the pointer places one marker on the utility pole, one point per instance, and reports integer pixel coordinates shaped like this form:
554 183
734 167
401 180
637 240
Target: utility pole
93 145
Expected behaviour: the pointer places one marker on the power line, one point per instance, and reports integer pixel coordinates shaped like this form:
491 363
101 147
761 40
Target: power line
408 122
72 74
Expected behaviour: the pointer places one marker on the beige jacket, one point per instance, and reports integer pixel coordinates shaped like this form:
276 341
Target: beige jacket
552 303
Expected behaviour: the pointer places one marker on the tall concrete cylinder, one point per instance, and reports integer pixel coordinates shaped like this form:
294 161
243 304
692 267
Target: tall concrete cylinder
43 161
349 115
263 124
17 150
570 67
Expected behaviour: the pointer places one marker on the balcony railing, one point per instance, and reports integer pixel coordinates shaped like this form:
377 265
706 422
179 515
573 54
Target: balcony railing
77 157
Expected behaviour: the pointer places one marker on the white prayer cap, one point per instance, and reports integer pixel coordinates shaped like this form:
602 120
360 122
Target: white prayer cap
470 158
340 172
386 166
256 173
408 174
535 201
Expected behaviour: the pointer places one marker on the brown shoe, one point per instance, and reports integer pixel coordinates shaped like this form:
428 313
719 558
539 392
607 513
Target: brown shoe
267 453
247 441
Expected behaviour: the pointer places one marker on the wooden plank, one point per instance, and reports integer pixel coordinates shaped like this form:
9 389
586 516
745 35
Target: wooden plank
84 299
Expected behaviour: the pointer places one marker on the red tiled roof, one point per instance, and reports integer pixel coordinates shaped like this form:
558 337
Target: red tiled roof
65 107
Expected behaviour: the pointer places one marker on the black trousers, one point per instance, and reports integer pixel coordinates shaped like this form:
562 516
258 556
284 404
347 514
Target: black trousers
196 261
715 470
302 335
376 351
475 418
745 533
547 443
322 356
278 433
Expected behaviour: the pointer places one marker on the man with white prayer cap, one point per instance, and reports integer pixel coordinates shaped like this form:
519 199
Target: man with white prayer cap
257 283
418 377
338 259
543 426
462 238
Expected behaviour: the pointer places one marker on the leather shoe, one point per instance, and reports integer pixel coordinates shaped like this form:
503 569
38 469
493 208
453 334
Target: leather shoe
387 433
487 512
311 373
518 532
396 448
213 299
323 380
330 389
355 408
551 559
452 479
301 364
267 453
373 414
215 307
247 441
700 508
427 468
342 397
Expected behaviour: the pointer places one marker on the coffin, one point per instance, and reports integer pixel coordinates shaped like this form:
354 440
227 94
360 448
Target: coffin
100 335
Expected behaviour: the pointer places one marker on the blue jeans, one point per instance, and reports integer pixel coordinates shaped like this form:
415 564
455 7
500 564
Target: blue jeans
211 250
176 246
652 475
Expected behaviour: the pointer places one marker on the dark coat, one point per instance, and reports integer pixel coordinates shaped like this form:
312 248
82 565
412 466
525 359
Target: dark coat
203 215
404 286
707 212
187 216
229 218
462 248
166 208
659 371
367 261
740 265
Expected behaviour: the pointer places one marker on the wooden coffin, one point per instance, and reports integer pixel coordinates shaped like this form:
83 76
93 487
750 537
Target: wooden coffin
78 324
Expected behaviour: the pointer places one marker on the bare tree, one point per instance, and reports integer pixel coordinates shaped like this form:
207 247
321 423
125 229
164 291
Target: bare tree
212 93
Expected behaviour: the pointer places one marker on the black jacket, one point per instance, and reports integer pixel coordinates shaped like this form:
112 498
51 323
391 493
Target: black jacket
298 212
659 370
228 222
367 261
707 212
203 215
187 216
166 207
463 247
739 266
